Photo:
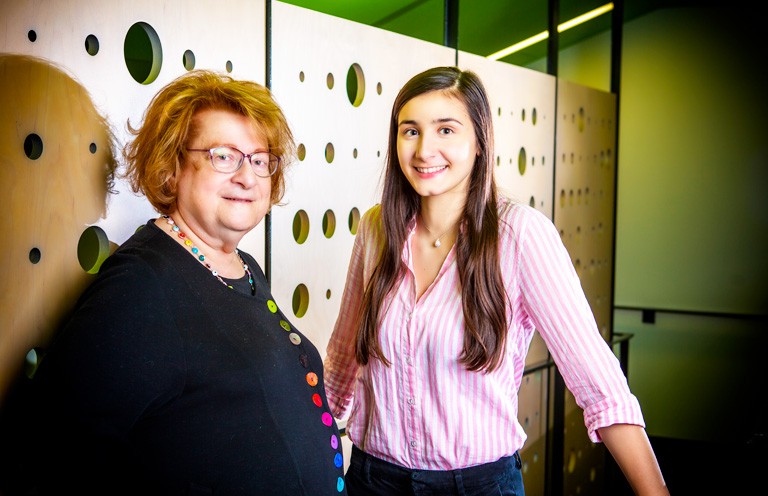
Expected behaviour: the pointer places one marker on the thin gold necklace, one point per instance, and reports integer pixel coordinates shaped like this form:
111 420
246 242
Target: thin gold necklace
437 243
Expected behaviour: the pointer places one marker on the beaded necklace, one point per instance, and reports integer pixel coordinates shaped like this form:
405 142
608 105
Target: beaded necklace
196 251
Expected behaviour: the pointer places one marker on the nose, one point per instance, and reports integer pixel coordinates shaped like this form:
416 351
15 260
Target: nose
245 175
426 146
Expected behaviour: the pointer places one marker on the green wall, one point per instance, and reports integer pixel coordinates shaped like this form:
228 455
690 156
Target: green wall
692 223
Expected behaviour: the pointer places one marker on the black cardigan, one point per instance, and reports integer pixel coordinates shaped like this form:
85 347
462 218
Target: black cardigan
164 381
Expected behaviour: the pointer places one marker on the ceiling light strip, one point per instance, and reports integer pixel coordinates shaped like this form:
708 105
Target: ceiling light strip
545 34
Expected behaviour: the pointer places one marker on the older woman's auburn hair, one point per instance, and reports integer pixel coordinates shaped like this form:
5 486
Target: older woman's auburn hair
155 155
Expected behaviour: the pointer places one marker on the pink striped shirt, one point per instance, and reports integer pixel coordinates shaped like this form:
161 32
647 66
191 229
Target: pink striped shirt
426 411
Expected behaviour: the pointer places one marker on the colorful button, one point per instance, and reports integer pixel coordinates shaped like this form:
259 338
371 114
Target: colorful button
317 400
327 419
334 441
272 306
338 460
285 325
340 484
295 338
312 379
304 360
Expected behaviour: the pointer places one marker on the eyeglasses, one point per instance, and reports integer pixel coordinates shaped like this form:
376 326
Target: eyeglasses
228 160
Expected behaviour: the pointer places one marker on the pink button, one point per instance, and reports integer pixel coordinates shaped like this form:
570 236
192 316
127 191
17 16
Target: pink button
327 419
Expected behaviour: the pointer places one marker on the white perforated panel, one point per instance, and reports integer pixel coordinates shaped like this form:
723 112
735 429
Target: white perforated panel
584 211
584 185
523 106
304 60
85 40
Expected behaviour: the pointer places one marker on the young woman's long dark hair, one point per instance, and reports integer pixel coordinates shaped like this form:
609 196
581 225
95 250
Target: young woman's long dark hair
484 299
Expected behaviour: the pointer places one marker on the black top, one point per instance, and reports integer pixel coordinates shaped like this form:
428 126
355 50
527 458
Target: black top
165 381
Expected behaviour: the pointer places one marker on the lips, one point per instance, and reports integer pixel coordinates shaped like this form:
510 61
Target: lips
242 200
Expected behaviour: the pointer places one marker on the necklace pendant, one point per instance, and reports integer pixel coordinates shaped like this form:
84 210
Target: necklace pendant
437 243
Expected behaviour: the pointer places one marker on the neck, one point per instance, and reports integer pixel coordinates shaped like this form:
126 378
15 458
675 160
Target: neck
218 255
439 214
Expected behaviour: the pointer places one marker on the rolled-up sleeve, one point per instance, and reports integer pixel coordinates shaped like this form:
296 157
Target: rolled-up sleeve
340 364
559 309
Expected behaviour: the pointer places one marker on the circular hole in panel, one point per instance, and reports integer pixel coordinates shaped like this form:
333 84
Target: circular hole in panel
378 88
378 153
92 148
522 115
92 249
533 116
592 474
31 361
31 35
301 151
533 161
354 220
300 226
532 202
301 76
542 160
300 300
35 255
328 294
562 198
33 146
521 161
498 160
581 119
188 60
329 81
355 85
525 467
143 53
570 197
228 66
571 462
91 44
329 153
329 223
354 153
499 111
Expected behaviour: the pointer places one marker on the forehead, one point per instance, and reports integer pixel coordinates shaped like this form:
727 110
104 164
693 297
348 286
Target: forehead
434 105
220 123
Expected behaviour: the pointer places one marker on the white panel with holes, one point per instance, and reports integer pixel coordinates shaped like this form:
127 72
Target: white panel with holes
523 107
65 66
336 81
586 169
88 41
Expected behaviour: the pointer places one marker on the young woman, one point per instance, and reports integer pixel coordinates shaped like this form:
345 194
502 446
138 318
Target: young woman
446 285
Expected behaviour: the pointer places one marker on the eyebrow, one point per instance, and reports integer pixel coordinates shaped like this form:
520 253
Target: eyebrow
436 121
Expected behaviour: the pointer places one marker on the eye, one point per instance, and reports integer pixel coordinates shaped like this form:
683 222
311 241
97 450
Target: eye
223 155
260 160
445 130
410 132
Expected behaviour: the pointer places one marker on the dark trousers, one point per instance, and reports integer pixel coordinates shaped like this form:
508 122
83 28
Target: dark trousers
371 476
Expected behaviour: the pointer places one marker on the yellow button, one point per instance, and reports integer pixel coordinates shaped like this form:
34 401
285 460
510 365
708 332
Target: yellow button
272 306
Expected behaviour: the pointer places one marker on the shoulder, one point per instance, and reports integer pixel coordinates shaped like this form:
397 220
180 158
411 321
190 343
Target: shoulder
515 217
371 224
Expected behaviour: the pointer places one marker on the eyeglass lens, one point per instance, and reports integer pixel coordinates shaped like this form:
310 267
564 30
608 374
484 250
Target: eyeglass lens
226 159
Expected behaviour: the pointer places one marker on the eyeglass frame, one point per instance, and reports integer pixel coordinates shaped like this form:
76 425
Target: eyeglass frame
242 160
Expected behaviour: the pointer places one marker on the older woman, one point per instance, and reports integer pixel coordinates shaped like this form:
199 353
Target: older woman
177 372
